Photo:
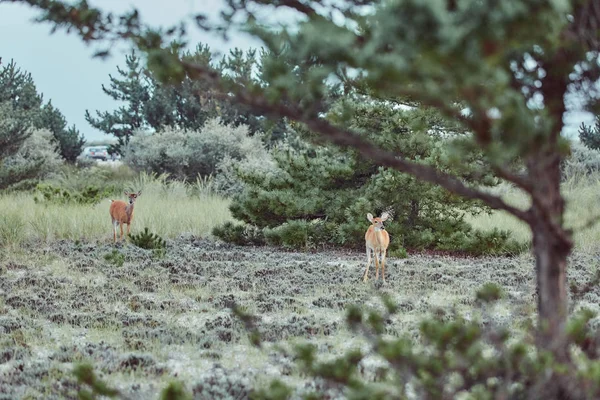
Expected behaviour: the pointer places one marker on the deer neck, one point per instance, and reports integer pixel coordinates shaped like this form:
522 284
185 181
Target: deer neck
129 210
379 236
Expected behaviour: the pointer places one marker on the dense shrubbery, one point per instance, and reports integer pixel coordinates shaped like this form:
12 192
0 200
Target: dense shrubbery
315 196
36 159
216 149
582 161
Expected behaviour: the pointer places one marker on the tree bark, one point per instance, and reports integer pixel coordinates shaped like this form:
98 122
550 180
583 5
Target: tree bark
552 245
551 264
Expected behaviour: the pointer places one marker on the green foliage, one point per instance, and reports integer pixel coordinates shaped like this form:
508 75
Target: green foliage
148 240
70 140
47 192
115 257
214 150
168 104
301 234
35 159
85 375
242 235
452 357
590 135
490 292
127 119
175 391
319 196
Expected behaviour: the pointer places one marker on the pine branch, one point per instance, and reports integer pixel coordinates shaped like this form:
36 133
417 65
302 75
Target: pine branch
346 138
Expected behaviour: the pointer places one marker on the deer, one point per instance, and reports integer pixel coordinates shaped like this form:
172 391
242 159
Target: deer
122 213
377 241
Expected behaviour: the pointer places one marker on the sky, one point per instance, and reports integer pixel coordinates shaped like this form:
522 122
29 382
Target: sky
63 69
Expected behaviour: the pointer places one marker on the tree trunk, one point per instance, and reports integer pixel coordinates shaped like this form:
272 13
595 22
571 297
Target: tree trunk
552 245
551 265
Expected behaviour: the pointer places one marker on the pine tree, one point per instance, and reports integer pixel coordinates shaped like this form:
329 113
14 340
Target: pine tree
20 103
590 135
70 141
333 190
130 88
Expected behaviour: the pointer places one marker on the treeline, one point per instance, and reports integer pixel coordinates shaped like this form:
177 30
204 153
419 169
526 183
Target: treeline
34 135
152 105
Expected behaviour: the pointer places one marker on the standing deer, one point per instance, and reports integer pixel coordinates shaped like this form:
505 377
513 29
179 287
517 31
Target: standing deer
377 241
122 213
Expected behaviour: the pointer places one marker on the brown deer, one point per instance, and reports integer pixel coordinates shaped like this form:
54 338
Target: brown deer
377 241
122 213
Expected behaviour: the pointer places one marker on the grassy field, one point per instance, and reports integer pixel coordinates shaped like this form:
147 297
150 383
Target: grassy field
166 209
143 319
582 206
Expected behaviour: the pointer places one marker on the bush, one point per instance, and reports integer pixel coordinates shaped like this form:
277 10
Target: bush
36 159
185 155
318 195
45 192
242 235
148 240
581 162
301 234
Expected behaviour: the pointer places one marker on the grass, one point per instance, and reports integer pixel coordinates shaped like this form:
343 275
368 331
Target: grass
582 206
170 208
167 209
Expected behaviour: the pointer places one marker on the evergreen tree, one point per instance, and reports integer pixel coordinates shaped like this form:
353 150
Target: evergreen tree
590 135
17 86
330 190
70 141
20 104
130 88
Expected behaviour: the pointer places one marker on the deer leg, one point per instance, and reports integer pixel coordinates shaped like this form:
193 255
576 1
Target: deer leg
377 264
114 226
128 229
366 277
383 265
121 226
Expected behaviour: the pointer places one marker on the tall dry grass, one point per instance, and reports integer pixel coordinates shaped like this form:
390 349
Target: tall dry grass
166 208
582 195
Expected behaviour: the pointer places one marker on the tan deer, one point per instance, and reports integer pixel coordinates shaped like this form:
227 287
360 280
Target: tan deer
377 241
122 213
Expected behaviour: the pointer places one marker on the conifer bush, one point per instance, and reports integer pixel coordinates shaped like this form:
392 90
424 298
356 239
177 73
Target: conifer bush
148 240
319 196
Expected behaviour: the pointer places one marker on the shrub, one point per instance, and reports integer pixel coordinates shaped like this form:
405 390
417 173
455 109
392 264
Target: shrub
581 162
36 159
301 234
115 258
185 155
45 192
242 235
148 240
335 189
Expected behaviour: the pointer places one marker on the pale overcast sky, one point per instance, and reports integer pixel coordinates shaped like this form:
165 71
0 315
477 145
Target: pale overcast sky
65 72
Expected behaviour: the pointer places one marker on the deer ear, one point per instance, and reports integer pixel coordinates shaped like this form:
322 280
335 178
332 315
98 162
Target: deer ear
384 216
139 193
370 217
126 193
